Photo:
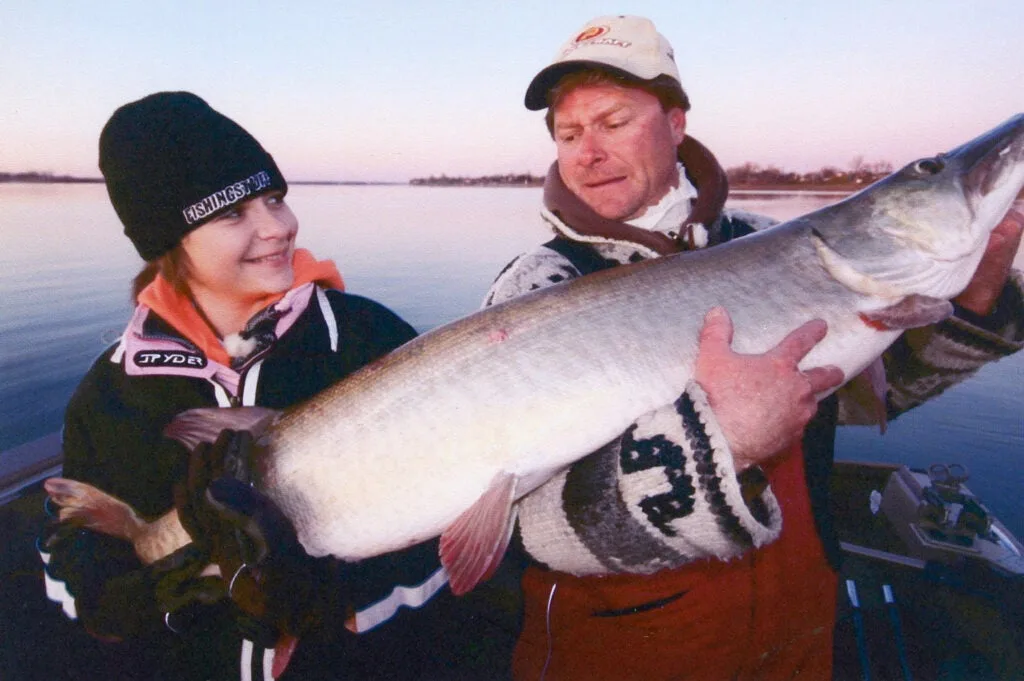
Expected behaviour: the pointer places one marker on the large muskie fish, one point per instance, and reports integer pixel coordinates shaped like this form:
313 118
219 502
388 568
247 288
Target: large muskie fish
442 436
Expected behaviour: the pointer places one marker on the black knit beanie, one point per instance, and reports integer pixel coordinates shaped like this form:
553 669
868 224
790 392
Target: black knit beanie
172 163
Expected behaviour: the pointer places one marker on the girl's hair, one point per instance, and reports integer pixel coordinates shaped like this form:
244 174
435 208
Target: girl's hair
172 265
666 89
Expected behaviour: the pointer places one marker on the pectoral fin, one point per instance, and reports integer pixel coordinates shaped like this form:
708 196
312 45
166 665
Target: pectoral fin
204 425
473 546
283 651
868 391
911 312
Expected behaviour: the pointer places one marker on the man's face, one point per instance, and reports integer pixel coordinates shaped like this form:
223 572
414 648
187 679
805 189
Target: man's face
617 148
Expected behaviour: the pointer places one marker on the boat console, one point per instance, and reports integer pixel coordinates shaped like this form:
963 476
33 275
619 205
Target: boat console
939 519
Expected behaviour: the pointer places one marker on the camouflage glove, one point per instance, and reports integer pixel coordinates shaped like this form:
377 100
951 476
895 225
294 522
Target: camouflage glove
270 579
229 539
182 590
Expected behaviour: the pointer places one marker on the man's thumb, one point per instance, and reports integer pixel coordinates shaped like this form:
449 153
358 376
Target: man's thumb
717 329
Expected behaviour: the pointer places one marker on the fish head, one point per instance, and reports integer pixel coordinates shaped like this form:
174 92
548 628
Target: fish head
923 229
991 173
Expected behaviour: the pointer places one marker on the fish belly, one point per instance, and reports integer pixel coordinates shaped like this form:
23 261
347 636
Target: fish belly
392 456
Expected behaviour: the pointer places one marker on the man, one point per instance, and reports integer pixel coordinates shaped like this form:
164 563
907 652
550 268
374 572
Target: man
697 545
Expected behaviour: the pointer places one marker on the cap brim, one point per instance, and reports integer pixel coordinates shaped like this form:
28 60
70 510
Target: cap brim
537 93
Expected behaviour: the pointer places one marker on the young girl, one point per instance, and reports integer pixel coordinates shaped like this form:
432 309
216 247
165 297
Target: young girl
229 312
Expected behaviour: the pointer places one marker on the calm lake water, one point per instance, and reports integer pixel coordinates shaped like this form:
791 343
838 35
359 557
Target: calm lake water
429 254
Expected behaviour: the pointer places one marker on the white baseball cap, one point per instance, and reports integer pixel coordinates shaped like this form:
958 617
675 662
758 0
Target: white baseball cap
625 44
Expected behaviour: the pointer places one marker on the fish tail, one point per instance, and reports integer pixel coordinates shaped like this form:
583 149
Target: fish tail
88 506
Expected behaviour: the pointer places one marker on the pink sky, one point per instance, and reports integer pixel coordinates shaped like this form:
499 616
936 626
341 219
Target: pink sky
410 90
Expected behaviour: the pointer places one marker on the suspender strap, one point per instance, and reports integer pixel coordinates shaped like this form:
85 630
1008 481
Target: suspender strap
584 258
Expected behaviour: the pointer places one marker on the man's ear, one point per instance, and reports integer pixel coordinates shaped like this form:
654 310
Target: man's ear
677 123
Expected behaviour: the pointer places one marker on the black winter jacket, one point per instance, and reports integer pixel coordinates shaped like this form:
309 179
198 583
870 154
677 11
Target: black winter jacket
113 440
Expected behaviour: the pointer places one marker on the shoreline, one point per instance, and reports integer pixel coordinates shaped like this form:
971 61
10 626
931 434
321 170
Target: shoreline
839 188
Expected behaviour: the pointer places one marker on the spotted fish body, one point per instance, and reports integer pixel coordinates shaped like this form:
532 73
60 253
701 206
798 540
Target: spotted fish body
466 419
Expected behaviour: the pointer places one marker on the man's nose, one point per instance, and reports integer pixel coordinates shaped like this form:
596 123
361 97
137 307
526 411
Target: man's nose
591 148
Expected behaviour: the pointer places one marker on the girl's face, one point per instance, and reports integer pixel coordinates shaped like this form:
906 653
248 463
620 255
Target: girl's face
245 254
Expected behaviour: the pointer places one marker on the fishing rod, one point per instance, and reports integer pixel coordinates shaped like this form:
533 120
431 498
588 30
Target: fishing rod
858 628
897 630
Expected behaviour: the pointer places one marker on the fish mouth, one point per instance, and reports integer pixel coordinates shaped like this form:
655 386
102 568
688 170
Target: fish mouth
992 162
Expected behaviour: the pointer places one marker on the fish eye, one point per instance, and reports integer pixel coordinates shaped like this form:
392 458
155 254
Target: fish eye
929 166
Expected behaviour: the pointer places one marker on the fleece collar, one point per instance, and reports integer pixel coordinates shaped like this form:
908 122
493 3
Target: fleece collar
613 239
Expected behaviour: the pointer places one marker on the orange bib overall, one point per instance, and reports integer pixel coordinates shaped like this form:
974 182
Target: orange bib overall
766 615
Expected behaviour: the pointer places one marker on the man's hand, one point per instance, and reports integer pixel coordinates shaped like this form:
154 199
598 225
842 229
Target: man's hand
761 402
989 279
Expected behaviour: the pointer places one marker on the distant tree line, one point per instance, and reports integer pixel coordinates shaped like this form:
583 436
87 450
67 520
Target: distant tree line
43 177
507 180
746 175
860 173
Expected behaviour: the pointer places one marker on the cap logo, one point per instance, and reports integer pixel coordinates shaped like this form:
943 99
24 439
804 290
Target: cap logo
591 32
591 36
231 194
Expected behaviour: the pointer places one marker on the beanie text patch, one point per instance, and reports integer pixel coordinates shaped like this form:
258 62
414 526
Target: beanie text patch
227 196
